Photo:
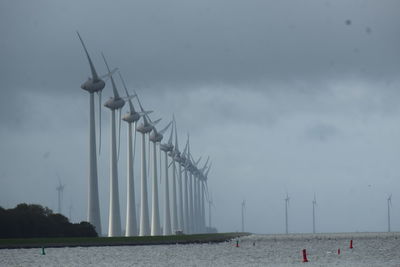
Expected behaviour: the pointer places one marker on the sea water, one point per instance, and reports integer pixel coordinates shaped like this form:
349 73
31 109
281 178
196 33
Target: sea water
369 249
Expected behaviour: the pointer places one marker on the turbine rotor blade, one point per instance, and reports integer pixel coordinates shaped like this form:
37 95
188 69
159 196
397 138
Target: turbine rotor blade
132 109
165 128
170 136
116 95
92 69
176 133
108 75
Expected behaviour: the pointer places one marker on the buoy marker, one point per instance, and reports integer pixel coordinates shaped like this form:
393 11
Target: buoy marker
43 252
338 251
305 256
351 244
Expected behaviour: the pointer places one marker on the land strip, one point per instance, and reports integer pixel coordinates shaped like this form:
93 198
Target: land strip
117 241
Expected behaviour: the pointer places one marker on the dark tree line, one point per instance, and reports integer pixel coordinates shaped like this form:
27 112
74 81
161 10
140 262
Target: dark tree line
30 220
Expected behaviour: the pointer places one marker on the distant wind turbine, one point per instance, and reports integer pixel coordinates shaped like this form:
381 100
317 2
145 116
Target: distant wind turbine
314 203
243 208
70 212
131 117
155 138
176 156
210 204
286 213
144 128
167 147
389 204
60 191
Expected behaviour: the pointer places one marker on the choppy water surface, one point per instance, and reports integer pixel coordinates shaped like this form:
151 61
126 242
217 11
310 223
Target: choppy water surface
370 249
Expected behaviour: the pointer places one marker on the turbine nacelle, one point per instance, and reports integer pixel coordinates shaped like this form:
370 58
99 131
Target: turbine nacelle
144 128
166 147
155 137
131 117
93 86
114 103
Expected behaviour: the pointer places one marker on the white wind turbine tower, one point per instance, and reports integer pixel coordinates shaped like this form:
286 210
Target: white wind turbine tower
186 212
286 213
93 85
174 206
114 103
203 179
389 204
243 208
189 167
210 204
197 196
178 159
131 117
314 203
167 147
60 191
155 138
144 128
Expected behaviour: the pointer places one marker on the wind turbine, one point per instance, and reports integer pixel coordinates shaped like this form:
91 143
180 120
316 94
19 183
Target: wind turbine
144 128
60 191
156 137
177 157
174 206
243 208
189 166
167 147
131 117
70 212
210 204
184 164
286 213
389 204
314 203
93 85
114 103
196 193
203 179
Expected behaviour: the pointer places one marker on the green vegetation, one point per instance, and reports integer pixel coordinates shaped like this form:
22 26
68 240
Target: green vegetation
35 221
117 241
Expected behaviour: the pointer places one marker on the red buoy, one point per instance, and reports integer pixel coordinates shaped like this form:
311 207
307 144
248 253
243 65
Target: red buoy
338 251
305 256
351 244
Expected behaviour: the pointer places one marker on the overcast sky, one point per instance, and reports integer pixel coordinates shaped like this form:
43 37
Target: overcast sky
284 96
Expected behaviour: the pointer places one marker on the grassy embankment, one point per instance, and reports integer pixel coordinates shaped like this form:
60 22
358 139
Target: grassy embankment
117 241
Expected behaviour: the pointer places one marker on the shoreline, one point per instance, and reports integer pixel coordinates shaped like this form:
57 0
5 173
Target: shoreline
55 242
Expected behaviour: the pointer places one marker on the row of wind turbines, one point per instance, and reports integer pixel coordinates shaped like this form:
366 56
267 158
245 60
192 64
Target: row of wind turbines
314 204
184 210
